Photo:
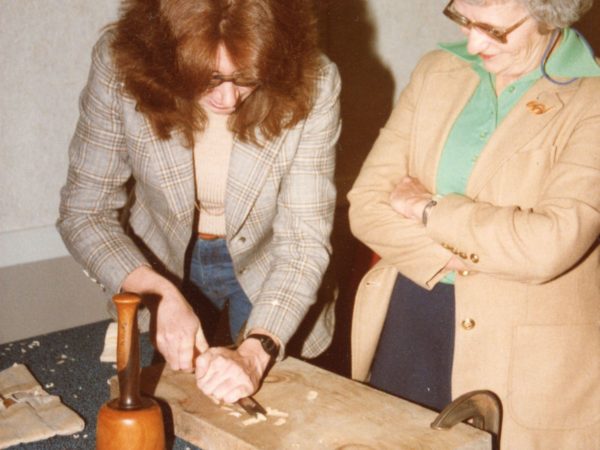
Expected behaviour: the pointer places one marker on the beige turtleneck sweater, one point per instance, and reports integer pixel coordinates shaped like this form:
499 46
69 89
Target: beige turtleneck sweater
212 150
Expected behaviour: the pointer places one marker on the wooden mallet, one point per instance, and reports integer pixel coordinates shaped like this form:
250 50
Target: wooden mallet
132 421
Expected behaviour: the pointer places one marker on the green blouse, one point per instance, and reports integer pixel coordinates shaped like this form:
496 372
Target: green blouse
485 111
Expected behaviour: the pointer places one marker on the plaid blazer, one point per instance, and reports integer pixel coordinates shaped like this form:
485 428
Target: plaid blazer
280 200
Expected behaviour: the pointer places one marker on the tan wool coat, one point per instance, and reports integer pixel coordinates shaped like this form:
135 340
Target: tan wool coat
528 310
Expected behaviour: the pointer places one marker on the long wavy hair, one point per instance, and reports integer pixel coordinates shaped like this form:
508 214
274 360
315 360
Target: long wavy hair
165 51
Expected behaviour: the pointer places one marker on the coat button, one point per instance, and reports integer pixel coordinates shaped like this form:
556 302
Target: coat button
463 255
464 273
468 324
474 258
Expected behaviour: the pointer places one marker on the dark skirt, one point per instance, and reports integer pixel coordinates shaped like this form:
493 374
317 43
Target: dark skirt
415 351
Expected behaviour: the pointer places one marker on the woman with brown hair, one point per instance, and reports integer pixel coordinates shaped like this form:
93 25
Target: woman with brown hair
226 116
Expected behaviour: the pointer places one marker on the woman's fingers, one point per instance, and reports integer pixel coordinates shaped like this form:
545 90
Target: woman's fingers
223 374
201 343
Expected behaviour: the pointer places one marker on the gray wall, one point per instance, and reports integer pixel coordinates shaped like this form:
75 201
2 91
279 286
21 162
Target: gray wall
44 58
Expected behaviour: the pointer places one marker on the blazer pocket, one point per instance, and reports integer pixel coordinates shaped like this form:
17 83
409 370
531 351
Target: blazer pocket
553 381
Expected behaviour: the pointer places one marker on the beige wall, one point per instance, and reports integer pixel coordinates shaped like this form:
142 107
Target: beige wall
44 57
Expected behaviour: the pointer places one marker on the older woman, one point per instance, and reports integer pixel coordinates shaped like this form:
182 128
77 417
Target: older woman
226 116
482 197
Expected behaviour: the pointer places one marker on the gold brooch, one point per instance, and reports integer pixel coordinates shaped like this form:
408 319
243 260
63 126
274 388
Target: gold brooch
536 107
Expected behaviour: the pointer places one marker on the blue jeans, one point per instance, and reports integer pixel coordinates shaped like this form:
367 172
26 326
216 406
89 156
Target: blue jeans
212 272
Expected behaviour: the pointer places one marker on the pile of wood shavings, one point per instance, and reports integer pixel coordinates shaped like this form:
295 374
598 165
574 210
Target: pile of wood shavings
280 416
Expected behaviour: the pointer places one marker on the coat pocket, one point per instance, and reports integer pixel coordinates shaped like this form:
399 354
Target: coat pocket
554 376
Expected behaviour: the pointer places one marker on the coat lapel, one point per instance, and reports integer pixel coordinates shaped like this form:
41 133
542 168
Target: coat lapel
174 164
249 167
530 116
442 100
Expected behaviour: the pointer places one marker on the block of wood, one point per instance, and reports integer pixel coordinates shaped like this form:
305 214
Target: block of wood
307 408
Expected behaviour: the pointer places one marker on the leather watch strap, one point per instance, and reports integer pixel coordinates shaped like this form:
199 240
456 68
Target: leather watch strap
267 343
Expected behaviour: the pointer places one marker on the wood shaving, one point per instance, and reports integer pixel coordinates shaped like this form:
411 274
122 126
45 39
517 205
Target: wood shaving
276 413
312 395
235 414
109 352
254 420
280 422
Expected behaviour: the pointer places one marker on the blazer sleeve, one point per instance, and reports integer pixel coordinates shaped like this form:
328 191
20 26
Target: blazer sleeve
401 242
98 171
302 226
535 244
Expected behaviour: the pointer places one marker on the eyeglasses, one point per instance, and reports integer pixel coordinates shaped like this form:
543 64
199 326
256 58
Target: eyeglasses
238 79
498 34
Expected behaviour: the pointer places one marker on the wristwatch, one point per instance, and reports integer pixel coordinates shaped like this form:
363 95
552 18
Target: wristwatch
267 343
428 207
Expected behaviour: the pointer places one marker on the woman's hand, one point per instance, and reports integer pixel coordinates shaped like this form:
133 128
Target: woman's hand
178 330
229 375
409 198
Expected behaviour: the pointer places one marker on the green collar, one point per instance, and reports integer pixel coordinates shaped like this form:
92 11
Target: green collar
571 59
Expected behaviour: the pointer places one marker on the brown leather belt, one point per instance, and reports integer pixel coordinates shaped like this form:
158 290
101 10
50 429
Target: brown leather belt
209 237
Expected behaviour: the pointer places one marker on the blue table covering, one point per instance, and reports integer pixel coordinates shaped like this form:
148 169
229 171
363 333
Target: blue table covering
67 363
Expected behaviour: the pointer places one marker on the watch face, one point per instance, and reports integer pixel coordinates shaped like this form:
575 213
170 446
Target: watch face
267 343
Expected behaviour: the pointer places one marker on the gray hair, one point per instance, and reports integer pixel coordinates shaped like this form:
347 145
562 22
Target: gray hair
552 13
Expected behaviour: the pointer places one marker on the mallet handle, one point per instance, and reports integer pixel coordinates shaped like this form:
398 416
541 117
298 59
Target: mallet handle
128 351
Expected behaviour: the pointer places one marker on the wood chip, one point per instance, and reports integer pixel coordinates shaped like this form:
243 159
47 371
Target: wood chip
254 420
276 413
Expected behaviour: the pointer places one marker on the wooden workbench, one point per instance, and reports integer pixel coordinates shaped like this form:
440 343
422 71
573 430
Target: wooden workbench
310 408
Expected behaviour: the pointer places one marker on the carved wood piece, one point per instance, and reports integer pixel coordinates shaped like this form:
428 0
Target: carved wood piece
308 408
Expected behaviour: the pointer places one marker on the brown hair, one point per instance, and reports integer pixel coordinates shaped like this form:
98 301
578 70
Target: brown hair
165 50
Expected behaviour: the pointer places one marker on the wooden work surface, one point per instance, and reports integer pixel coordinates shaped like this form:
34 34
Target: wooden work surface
310 408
